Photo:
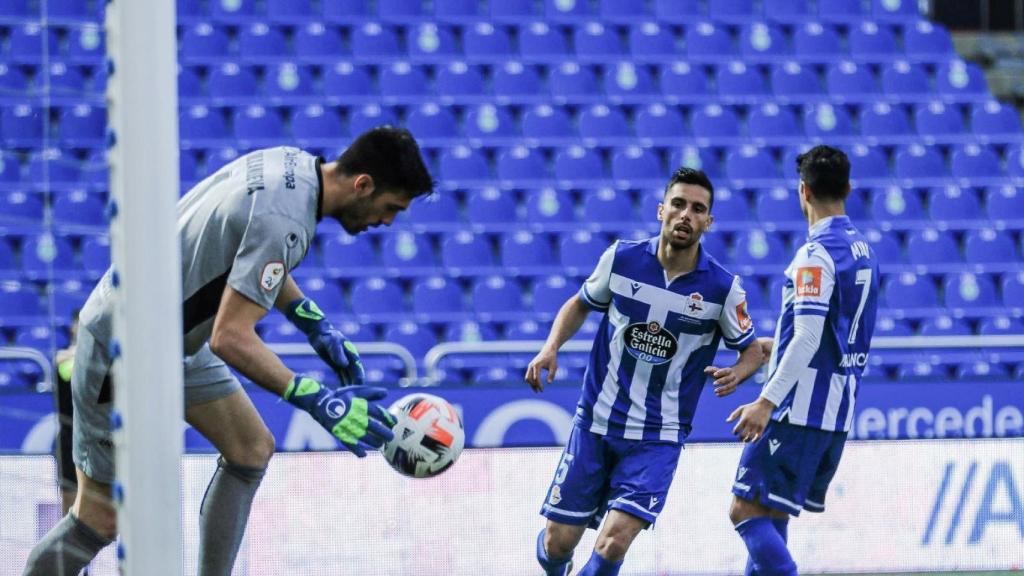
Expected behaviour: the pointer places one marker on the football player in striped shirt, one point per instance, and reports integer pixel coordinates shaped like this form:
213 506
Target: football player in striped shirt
796 429
666 304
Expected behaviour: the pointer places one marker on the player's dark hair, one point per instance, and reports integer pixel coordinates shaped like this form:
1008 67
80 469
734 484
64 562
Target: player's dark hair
392 158
693 176
826 171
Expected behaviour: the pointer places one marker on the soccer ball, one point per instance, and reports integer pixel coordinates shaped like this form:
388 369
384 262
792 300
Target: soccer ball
428 436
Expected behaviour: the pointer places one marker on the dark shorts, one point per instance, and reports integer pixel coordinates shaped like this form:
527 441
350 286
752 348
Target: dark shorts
62 447
790 467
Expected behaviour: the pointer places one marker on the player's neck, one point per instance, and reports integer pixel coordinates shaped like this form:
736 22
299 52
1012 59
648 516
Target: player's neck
334 190
677 261
818 212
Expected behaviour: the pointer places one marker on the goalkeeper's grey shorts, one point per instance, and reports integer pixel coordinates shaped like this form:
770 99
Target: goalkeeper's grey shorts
207 378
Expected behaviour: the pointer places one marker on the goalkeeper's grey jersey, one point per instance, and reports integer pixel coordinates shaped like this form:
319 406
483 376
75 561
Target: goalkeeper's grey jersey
247 226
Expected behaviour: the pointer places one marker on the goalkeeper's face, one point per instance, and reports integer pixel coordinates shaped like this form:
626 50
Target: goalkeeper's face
373 209
685 215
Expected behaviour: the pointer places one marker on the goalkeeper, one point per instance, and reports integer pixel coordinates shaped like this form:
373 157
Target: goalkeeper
242 230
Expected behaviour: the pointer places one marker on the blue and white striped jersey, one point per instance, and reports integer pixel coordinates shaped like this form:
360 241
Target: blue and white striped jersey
646 368
834 276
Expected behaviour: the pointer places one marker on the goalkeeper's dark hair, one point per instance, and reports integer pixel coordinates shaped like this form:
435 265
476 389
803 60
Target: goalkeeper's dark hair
693 176
392 158
826 171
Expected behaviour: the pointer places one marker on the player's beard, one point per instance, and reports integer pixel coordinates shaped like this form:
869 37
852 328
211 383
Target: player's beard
356 217
680 244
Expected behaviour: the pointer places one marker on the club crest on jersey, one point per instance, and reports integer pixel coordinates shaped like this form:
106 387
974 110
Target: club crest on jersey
272 275
696 305
808 281
650 342
556 495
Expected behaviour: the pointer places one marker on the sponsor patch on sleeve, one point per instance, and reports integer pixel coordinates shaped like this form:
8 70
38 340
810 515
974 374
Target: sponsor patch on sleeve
808 282
273 273
742 317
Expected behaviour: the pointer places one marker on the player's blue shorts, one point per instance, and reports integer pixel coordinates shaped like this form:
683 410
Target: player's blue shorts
598 473
789 467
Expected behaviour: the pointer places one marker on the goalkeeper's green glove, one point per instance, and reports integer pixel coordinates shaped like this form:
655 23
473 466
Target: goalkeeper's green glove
351 414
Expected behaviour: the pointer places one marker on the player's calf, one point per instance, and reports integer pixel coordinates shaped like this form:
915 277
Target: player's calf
554 564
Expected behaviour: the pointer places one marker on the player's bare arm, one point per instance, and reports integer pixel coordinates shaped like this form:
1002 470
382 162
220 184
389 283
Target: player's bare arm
290 292
728 378
235 341
568 321
767 344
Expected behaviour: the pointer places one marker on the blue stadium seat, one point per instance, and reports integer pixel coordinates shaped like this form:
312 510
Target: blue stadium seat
348 253
872 41
567 10
750 162
901 79
928 41
755 247
825 121
496 294
403 79
41 337
793 80
51 165
189 83
457 80
257 125
326 293
538 40
401 10
436 294
815 41
515 79
43 253
13 81
463 163
490 205
233 10
676 11
549 205
699 157
570 80
527 329
314 123
259 41
374 41
770 121
938 119
659 121
648 39
635 163
68 297
288 82
292 11
594 40
715 244
86 43
969 291
544 122
428 40
1012 288
987 245
930 246
21 125
713 122
992 118
982 369
513 10
18 299
888 326
908 290
485 40
959 78
580 250
895 9
8 261
83 126
229 80
917 161
63 79
626 79
603 122
370 116
1000 325
881 120
953 203
375 295
579 163
470 331
25 43
429 120
343 79
457 9
203 41
78 207
1015 161
867 162
730 206
525 250
705 40
973 161
550 293
739 80
416 338
521 163
944 325
733 10
886 246
21 207
438 208
846 79
464 249
779 206
682 82
897 204
282 332
406 249
1004 203
760 40
316 41
786 11
17 10
841 10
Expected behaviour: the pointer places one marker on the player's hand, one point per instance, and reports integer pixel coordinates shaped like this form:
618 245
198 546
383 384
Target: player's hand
767 344
753 418
544 360
329 343
350 414
726 380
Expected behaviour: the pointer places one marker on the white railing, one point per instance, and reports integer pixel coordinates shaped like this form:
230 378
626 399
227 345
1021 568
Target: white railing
20 353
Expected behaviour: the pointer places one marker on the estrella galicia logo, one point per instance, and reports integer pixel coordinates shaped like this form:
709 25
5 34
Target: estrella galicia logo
649 342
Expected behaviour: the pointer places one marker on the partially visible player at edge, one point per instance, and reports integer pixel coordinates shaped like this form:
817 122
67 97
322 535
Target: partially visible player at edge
242 230
666 304
796 429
